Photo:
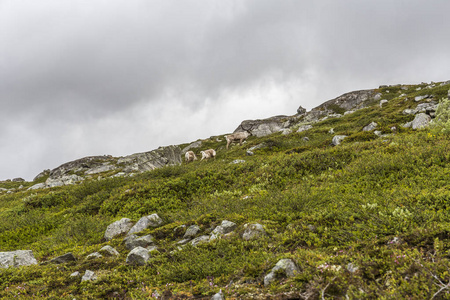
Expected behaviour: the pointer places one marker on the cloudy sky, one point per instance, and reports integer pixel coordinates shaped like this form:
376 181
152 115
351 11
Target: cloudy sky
94 77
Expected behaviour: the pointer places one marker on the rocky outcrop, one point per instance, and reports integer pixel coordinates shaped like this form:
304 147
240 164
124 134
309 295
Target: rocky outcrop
284 267
152 220
17 258
138 256
147 161
268 126
253 231
81 166
117 228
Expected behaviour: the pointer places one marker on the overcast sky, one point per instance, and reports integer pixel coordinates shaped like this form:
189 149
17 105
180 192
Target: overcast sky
95 77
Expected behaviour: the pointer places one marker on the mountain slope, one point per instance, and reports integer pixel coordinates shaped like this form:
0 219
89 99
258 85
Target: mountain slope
368 218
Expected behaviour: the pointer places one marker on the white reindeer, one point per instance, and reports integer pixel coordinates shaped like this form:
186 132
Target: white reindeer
190 156
237 136
207 154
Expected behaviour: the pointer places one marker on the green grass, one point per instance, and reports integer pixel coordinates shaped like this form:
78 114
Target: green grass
322 206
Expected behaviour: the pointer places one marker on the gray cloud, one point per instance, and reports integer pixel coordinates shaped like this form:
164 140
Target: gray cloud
82 78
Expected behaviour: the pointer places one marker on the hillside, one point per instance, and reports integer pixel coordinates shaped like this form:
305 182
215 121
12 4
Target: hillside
316 205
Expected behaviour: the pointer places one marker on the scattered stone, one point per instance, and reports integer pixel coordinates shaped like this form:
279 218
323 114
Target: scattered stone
117 228
331 131
253 231
407 125
370 127
304 128
377 96
94 255
108 251
63 180
191 146
259 146
249 153
18 179
286 131
133 241
420 98
152 220
75 274
348 112
306 139
420 121
17 258
394 129
224 228
377 133
200 240
352 268
88 276
238 161
285 267
65 258
219 295
337 139
138 256
312 228
37 186
409 111
192 231
383 102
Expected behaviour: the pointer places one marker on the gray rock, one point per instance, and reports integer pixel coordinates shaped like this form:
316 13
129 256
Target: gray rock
407 125
306 139
249 153
63 180
94 255
200 240
377 132
259 146
337 139
191 146
383 102
152 220
253 231
219 295
264 127
108 251
41 175
100 169
65 258
138 256
304 128
301 110
409 111
420 121
37 186
285 267
18 179
286 131
147 161
88 276
348 112
75 274
224 228
17 258
420 98
117 228
352 268
238 161
448 94
370 127
331 131
377 96
133 241
192 231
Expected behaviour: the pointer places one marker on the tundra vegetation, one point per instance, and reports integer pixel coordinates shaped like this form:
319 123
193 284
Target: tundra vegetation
367 219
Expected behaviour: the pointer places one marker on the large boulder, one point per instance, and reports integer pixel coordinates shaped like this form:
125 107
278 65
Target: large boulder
152 220
420 121
108 251
17 258
133 241
192 231
263 127
138 256
147 161
284 267
117 228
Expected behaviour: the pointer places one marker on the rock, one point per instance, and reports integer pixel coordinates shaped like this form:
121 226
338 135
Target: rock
108 251
63 180
352 268
42 174
264 127
17 258
219 295
249 153
370 127
331 131
337 139
407 125
224 228
80 165
306 139
409 111
301 110
286 131
349 112
152 220
200 240
285 267
304 128
420 121
377 96
75 274
138 256
259 146
88 276
448 94
133 241
420 98
18 179
117 228
94 255
383 102
191 146
147 161
192 231
65 258
253 231
37 186
100 169
377 133
238 161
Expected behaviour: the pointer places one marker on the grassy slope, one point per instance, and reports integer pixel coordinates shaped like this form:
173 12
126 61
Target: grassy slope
323 206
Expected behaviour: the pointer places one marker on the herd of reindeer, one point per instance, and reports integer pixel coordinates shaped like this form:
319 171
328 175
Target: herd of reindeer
211 153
